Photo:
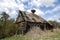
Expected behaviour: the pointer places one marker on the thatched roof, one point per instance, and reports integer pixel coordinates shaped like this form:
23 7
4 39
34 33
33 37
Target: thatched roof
31 17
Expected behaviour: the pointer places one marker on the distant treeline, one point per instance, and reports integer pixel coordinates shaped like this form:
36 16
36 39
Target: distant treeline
9 28
55 24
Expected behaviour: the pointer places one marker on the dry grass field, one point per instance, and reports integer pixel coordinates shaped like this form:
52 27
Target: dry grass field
46 35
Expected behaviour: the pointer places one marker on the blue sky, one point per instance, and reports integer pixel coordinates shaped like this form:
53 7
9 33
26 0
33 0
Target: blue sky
48 9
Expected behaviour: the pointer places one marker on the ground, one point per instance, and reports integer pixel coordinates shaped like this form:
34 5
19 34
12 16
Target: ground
46 36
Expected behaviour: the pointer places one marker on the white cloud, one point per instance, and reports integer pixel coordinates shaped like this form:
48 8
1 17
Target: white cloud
53 10
4 9
46 3
21 7
55 17
11 4
24 0
6 4
13 14
39 12
56 8
19 1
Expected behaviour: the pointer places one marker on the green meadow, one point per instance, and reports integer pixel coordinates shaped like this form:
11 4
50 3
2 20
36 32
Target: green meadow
55 36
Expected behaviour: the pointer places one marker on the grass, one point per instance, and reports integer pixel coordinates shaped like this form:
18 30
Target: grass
55 36
16 37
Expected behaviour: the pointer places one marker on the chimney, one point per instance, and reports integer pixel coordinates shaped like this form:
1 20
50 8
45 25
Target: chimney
33 11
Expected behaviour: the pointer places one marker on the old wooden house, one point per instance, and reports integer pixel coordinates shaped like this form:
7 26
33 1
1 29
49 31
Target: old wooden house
26 21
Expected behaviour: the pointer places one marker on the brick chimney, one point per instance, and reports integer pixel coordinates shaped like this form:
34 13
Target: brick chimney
33 11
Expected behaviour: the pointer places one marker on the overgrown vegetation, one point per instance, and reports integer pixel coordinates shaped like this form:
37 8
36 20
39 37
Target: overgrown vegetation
9 28
55 36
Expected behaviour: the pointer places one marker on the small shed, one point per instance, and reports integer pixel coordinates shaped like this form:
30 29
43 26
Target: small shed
27 21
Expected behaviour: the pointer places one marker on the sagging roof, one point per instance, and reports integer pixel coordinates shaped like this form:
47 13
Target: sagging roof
31 17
